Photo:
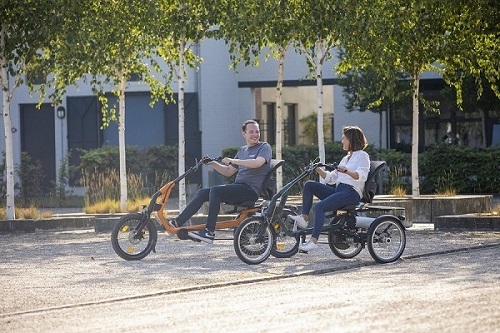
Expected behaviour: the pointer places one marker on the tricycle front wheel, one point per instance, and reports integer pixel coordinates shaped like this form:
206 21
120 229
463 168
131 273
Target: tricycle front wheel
131 244
285 245
253 240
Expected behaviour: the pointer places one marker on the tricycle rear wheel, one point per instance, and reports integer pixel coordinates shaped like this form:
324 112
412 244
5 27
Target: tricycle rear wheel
386 239
343 246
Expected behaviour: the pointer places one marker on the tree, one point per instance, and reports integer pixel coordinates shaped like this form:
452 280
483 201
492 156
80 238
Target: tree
177 27
104 41
25 27
365 90
256 27
317 35
410 36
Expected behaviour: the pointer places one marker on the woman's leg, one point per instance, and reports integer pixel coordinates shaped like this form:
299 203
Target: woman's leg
311 189
344 195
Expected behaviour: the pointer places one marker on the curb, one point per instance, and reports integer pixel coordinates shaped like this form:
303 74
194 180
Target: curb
99 223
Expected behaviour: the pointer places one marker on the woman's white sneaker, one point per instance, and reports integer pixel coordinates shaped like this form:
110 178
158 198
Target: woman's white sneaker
309 246
299 221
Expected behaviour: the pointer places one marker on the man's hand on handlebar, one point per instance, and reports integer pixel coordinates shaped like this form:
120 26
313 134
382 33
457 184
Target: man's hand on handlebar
207 159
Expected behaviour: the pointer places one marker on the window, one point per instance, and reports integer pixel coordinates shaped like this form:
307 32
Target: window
267 127
289 125
36 78
134 77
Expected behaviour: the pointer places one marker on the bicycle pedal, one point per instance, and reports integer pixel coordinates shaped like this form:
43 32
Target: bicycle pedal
182 234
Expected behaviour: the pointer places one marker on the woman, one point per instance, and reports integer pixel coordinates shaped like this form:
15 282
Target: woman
349 178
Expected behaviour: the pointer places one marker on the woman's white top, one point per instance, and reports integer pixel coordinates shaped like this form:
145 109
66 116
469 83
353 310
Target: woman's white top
358 161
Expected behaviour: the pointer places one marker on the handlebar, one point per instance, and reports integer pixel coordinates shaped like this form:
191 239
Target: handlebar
208 159
328 166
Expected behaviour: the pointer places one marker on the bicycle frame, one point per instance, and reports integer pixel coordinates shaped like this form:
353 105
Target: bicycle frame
347 232
273 211
160 199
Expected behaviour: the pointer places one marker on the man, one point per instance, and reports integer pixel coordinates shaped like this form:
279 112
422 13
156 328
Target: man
252 162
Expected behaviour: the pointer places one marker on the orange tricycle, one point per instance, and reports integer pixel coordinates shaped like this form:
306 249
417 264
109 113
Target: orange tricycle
135 235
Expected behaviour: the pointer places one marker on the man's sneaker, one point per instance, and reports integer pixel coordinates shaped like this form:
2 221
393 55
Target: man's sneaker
299 221
173 224
204 235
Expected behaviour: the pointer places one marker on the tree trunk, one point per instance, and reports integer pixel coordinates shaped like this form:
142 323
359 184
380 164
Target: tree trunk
121 143
414 139
483 128
279 116
319 85
380 128
7 125
182 139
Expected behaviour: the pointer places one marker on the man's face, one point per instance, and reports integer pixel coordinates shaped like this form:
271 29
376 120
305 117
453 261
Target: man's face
252 134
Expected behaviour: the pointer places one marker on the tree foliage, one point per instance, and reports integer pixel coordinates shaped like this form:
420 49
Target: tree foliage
26 26
410 37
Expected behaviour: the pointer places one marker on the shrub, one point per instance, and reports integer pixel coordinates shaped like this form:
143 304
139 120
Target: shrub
31 175
153 165
464 168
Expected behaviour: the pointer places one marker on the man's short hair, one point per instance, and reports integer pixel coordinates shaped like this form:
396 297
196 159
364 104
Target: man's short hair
250 121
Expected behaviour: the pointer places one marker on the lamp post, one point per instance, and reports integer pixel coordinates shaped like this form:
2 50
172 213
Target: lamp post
61 114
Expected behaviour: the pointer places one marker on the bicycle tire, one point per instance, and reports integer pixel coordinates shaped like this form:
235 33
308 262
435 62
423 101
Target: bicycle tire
386 239
125 242
249 247
343 247
285 246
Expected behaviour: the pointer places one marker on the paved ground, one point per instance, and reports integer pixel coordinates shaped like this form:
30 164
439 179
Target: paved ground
72 281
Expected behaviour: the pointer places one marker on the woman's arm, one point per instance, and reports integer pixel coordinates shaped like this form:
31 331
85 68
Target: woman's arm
329 177
358 167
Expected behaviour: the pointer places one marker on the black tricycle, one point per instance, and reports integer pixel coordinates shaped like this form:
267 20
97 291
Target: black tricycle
347 230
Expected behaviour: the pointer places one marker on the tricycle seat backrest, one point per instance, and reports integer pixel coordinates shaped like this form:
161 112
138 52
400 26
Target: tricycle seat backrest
371 185
269 184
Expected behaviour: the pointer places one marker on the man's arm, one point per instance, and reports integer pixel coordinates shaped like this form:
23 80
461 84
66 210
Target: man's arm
225 170
250 163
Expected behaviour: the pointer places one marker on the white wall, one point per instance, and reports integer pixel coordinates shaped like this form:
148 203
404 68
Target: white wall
223 106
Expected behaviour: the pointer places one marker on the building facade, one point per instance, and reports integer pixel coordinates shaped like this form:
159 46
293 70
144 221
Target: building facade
218 101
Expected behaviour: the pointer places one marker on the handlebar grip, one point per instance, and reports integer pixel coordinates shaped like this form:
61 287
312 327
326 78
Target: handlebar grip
207 159
331 166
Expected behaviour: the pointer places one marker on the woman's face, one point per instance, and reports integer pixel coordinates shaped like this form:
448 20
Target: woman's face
345 143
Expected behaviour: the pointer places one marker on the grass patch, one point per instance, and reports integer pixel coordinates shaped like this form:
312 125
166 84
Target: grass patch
398 191
110 206
27 213
445 185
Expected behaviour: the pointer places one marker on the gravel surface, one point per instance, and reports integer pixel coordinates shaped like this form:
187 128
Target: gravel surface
65 281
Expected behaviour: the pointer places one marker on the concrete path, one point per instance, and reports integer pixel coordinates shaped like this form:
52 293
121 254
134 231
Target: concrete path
48 276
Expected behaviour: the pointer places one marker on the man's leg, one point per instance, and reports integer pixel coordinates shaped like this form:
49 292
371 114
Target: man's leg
229 193
193 206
